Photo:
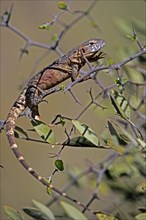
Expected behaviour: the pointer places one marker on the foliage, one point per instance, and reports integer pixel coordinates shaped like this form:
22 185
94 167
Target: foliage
122 172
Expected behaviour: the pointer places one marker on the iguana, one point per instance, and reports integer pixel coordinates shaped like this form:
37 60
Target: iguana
68 66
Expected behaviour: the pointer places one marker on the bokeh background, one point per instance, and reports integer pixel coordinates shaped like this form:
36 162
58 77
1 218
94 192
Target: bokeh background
18 188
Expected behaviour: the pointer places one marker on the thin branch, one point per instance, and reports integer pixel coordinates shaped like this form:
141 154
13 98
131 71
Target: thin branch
114 66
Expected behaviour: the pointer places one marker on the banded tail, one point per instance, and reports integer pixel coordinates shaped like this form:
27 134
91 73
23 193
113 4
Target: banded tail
18 107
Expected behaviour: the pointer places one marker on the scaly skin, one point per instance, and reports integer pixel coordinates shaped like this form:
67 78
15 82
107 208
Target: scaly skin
66 67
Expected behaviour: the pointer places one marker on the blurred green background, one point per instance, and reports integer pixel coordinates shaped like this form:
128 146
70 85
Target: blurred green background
18 188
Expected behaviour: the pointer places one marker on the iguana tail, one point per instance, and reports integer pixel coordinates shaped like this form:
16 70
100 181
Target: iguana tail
18 107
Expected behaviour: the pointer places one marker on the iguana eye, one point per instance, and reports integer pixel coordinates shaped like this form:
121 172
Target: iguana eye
91 42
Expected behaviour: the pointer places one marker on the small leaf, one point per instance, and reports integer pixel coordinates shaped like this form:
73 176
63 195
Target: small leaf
121 169
141 187
113 143
12 213
116 106
105 216
59 165
116 130
62 121
35 213
55 37
110 62
44 131
48 180
49 190
62 87
94 24
46 26
21 130
122 108
16 134
72 212
86 132
141 216
142 143
134 100
62 5
45 211
131 37
134 75
80 142
121 104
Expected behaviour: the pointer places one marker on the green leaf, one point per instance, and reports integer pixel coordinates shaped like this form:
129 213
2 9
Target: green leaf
46 26
121 169
62 5
86 132
62 87
122 135
116 106
72 212
135 101
12 213
141 187
80 141
120 103
35 213
59 165
94 24
131 37
55 37
122 108
113 143
142 143
134 75
44 210
141 216
110 62
44 131
22 131
105 216
49 190
62 121
16 134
